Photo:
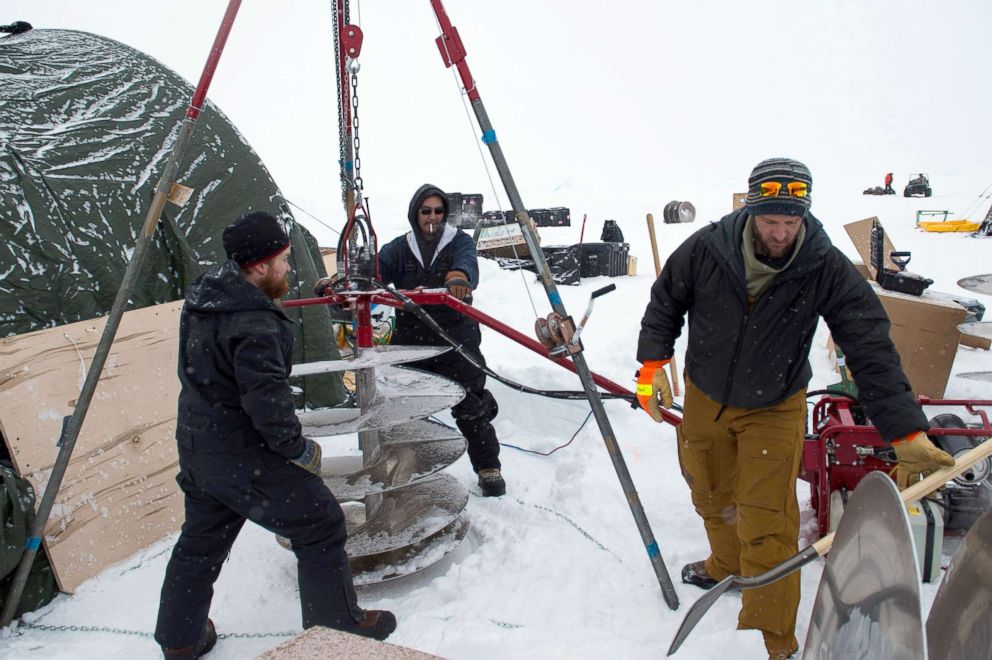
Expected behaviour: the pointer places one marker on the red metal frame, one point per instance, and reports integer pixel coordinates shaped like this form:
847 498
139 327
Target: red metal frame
453 50
363 300
831 458
837 454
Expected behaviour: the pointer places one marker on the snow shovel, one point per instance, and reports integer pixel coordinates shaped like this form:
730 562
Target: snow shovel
818 549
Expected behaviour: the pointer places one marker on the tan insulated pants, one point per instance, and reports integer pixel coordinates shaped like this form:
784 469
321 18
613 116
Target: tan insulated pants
742 472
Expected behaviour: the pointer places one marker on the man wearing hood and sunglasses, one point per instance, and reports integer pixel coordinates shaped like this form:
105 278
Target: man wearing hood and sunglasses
433 254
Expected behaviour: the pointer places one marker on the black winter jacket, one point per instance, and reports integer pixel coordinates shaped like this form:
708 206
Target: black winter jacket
235 355
757 358
401 264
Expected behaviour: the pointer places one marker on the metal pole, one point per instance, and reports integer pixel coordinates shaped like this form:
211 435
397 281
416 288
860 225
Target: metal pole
453 53
68 440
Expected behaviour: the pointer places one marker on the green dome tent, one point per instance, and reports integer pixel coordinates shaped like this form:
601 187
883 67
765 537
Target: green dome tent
86 127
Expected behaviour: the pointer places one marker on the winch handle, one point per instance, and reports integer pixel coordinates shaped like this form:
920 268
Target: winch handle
585 317
602 292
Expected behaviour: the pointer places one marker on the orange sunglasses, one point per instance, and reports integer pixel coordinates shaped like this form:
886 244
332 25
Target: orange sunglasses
793 189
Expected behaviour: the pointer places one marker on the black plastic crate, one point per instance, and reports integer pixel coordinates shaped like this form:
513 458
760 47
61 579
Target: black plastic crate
539 217
471 210
464 210
490 218
563 262
599 259
559 216
556 217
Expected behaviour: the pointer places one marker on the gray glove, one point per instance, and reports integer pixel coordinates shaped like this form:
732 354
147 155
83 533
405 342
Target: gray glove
309 460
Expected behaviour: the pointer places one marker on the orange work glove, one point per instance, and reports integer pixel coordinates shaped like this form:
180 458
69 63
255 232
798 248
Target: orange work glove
653 388
918 457
458 285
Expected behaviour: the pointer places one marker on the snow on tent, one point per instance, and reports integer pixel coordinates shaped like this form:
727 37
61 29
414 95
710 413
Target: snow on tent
86 128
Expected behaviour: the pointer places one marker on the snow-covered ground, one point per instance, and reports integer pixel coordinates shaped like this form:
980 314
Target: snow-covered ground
611 114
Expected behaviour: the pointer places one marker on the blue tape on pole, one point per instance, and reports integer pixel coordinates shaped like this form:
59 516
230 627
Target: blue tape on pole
33 543
489 136
554 298
349 166
653 550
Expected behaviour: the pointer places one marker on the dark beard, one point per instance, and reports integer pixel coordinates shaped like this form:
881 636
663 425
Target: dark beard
274 288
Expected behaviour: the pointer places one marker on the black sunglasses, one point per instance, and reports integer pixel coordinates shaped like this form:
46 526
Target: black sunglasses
439 210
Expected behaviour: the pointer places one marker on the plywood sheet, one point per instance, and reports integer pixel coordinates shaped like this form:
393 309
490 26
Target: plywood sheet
119 492
318 643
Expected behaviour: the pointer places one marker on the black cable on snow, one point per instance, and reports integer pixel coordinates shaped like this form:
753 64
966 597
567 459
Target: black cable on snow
420 313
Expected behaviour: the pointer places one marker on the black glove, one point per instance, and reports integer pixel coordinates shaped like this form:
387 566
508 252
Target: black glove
309 460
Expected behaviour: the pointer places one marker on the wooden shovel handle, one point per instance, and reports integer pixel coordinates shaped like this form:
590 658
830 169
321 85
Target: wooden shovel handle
927 485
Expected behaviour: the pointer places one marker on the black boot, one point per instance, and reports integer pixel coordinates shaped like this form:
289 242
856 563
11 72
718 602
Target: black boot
202 647
695 574
491 482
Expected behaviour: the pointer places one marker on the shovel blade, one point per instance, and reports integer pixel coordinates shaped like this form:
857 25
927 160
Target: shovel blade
700 607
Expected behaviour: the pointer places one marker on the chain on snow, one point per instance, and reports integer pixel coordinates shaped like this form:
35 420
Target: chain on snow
138 633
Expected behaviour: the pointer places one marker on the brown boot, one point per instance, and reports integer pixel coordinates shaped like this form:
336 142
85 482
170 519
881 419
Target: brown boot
377 624
491 482
202 647
780 647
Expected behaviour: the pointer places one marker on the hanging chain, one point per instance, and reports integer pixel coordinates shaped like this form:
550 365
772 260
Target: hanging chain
138 633
342 151
353 66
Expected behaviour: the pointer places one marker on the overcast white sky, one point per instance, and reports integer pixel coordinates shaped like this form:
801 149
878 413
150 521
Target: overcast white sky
611 110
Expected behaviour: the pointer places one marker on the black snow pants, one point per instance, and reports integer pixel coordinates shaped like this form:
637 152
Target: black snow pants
222 490
474 414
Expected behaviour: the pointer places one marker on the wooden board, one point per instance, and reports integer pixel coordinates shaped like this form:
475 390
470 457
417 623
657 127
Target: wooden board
119 492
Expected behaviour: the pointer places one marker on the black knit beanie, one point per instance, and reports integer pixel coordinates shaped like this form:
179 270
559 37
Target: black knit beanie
784 171
253 238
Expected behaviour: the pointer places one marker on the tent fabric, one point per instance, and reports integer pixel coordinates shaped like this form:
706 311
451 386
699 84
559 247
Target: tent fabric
86 127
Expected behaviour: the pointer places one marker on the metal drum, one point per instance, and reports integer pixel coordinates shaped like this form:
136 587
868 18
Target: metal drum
678 212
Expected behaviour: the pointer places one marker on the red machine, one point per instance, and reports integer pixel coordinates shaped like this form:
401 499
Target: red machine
843 447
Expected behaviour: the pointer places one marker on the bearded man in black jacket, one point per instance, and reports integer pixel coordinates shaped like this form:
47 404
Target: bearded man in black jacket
754 286
242 454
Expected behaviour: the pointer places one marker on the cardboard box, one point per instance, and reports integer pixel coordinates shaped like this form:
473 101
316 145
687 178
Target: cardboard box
502 240
740 199
330 258
924 330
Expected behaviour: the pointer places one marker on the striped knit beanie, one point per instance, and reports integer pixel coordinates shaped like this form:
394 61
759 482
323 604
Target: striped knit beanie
784 171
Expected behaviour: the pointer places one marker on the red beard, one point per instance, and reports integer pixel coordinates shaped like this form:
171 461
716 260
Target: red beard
274 288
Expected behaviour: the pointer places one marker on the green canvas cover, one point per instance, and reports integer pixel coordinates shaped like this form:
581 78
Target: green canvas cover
86 127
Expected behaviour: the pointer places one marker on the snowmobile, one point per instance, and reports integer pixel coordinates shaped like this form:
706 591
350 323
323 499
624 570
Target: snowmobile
919 186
